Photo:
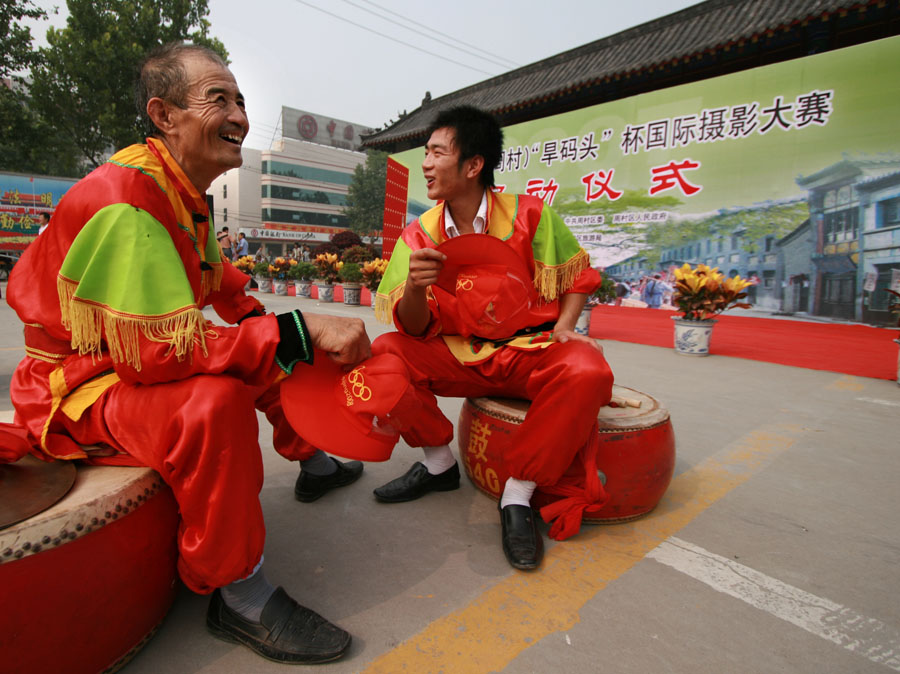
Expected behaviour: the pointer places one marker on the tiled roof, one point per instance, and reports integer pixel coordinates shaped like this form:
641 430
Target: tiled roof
677 47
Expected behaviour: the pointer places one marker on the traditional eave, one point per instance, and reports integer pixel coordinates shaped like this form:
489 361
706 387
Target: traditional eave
706 40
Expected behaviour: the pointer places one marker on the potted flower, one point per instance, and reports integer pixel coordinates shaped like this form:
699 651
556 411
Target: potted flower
327 268
372 273
263 276
700 294
303 273
245 264
279 268
357 254
351 280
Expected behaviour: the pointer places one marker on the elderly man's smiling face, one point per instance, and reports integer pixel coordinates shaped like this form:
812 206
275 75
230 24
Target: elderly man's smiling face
206 134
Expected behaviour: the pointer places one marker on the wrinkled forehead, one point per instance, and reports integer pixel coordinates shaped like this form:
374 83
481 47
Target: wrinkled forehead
203 73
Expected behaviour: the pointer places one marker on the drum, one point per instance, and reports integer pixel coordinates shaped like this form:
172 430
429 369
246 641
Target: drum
87 581
636 458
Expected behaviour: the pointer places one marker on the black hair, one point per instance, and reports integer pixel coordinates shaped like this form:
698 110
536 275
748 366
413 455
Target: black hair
476 133
161 74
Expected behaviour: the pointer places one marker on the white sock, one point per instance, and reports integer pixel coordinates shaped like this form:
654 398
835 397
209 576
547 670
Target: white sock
517 492
438 459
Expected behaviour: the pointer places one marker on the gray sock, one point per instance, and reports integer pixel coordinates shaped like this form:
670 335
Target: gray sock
249 595
319 464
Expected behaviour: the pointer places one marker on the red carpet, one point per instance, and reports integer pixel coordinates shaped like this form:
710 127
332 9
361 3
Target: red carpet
858 350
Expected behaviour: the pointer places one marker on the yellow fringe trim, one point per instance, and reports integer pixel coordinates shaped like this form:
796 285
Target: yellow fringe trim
91 323
210 280
553 281
384 304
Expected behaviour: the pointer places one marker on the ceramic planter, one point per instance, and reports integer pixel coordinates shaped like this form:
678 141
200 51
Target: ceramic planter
352 292
326 292
692 337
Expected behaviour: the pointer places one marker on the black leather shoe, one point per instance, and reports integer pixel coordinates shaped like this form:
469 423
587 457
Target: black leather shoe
523 545
286 632
417 482
310 487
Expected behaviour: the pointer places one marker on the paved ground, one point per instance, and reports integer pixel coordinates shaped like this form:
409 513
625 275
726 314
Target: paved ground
776 548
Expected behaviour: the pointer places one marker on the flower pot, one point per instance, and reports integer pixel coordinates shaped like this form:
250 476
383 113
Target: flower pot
352 292
692 337
583 325
303 287
326 292
264 284
279 287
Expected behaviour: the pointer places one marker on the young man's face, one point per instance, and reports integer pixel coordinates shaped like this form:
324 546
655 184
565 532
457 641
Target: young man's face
444 177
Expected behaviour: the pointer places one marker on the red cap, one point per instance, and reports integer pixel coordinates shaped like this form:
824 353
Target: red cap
349 413
492 285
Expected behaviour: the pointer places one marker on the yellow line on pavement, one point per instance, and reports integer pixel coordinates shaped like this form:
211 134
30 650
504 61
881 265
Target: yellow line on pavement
12 348
524 608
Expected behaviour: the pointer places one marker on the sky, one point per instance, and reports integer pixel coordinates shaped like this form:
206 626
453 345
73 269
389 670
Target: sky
366 61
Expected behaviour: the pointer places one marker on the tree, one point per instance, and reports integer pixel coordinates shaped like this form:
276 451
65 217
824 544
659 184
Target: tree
83 84
365 198
27 144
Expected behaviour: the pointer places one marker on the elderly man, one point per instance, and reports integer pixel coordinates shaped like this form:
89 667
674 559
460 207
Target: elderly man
122 368
515 338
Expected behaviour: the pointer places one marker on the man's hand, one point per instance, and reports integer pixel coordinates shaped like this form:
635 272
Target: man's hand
563 336
425 266
344 339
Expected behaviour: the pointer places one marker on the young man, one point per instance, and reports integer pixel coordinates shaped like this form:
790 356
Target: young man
119 355
242 247
43 221
532 353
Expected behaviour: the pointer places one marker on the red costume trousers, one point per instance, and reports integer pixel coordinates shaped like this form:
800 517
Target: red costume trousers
201 435
567 384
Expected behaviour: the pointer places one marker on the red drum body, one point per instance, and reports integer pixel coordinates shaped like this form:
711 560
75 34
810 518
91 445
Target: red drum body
636 458
86 582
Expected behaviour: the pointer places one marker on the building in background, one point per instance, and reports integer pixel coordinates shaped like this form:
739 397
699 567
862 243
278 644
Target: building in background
294 192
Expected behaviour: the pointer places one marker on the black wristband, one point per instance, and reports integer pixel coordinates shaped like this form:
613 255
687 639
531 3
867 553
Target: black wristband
295 345
252 314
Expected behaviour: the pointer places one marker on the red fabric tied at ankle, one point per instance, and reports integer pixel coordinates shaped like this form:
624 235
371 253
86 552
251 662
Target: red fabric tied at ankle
353 414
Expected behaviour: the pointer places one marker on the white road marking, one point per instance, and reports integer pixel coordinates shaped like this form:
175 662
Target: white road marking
879 401
843 626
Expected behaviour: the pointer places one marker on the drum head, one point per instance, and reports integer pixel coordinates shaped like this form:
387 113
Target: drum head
610 419
30 486
650 413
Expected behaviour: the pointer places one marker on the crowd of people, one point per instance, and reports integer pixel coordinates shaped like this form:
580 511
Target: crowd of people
653 291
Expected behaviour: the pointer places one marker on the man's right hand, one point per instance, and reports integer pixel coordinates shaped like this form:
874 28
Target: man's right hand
425 265
344 339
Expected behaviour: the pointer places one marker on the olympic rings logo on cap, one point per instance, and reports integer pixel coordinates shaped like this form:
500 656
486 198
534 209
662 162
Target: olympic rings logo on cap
463 283
359 390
